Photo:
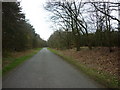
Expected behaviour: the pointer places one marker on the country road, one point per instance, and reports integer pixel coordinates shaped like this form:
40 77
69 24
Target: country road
47 70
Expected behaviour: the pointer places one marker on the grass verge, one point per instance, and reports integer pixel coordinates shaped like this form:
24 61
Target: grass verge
109 81
14 62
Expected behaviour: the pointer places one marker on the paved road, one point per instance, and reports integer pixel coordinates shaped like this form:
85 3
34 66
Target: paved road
47 70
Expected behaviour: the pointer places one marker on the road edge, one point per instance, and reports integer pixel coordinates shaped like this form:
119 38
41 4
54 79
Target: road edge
92 73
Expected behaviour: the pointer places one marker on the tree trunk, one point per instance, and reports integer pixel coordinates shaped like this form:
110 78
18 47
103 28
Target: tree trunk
90 47
77 44
89 42
78 47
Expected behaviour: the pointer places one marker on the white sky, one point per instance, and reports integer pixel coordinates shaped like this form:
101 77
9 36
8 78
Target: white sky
38 17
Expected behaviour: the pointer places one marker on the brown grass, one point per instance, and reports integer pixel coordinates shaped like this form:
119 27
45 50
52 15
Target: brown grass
22 53
98 58
14 55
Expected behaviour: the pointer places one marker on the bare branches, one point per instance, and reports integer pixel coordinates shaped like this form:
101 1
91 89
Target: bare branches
99 9
76 16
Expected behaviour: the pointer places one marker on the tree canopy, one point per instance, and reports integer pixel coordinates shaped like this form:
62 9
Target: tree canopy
90 23
18 34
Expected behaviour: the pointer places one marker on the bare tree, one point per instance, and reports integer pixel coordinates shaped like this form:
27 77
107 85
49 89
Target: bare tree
69 12
105 8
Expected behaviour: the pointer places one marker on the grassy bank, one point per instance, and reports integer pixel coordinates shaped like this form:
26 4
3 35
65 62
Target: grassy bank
15 60
104 78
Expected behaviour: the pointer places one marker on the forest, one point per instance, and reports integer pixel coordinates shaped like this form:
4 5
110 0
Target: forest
81 24
17 33
86 35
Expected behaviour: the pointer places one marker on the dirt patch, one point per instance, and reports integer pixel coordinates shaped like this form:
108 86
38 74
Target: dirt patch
98 58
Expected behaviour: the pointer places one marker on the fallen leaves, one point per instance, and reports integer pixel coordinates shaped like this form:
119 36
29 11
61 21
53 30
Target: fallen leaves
98 58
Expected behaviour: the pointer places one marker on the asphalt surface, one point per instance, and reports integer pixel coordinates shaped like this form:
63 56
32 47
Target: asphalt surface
47 70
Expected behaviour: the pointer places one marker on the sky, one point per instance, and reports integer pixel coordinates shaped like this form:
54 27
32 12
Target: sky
38 17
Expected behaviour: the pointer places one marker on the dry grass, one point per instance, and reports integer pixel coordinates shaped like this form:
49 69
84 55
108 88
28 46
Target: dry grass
19 54
98 58
13 56
16 58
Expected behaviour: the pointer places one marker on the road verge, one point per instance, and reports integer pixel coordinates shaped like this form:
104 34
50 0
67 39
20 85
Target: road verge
16 61
103 78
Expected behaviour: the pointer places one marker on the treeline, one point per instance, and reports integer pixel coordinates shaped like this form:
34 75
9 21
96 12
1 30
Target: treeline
65 40
84 24
61 39
17 33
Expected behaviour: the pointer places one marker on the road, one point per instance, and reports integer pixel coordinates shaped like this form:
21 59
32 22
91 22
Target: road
47 70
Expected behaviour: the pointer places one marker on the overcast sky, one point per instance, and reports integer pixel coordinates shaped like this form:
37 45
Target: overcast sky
38 17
